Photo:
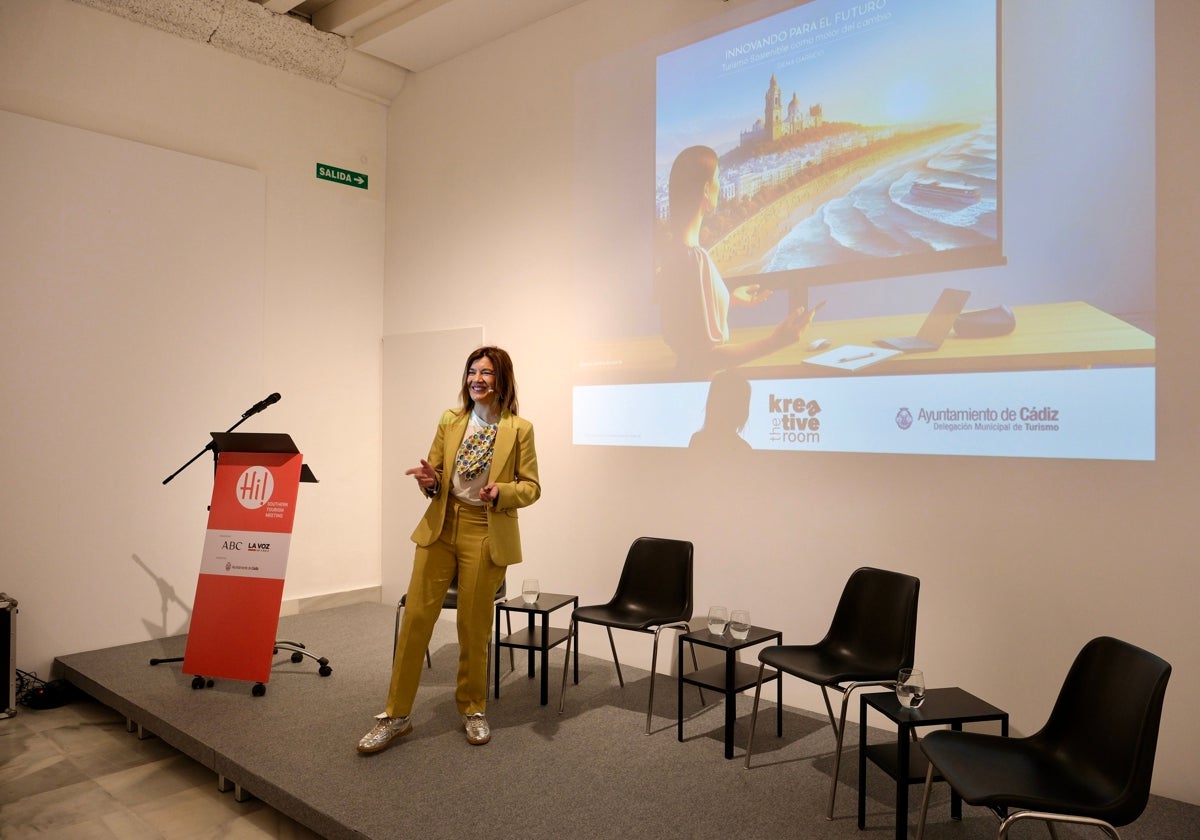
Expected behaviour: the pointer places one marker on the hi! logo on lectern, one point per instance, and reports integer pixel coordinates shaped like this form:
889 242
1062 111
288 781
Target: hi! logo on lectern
254 487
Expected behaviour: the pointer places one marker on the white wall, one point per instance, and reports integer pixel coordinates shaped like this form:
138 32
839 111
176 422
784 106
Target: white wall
1021 561
97 551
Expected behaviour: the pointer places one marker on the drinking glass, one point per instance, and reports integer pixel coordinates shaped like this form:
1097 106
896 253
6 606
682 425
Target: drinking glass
718 617
739 624
530 591
910 688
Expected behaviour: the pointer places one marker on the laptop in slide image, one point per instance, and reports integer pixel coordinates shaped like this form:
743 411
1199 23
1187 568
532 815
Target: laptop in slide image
936 327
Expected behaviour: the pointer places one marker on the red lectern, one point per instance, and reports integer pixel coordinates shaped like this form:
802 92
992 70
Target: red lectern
236 611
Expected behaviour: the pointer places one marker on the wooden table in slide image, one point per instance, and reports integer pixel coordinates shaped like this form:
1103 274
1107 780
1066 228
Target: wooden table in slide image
1048 336
534 637
731 676
903 760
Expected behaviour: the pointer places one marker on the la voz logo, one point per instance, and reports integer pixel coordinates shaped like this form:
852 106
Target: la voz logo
239 545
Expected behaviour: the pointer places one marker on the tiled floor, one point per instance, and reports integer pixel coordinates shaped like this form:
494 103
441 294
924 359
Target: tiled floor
75 772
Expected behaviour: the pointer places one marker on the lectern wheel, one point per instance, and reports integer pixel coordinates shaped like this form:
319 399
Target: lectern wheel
297 656
259 690
197 682
325 671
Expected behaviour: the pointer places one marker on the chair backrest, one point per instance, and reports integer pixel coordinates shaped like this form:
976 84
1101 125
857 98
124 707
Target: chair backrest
450 602
656 581
1105 721
876 620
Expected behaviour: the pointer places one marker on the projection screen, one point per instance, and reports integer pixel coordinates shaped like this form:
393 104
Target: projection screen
972 173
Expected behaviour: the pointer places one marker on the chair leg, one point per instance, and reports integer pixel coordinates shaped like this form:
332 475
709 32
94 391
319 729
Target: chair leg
695 667
512 662
1050 819
653 671
654 666
572 631
840 731
925 802
829 709
616 661
562 694
754 713
396 634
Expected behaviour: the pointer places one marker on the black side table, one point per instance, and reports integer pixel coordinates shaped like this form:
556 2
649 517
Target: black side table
536 638
731 677
908 766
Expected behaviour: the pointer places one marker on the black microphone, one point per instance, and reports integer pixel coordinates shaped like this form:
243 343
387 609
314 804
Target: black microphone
260 405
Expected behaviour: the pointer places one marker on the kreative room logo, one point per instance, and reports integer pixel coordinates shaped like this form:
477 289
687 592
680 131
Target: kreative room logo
254 487
794 420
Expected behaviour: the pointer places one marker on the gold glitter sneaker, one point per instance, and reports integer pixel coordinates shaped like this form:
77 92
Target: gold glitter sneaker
386 730
478 731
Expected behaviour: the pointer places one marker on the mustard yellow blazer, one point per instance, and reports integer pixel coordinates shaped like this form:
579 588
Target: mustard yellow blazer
514 471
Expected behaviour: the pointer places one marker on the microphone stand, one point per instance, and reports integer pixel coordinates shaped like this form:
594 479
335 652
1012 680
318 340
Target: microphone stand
296 650
211 445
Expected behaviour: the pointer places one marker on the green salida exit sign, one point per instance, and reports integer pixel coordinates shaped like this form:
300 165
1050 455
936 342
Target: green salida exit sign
343 176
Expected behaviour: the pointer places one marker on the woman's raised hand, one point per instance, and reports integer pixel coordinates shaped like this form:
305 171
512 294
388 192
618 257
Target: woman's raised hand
789 330
424 474
750 294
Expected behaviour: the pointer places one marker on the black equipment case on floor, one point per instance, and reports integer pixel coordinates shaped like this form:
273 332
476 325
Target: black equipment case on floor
8 655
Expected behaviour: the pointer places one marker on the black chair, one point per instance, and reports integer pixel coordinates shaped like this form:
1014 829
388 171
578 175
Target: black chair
1090 764
450 602
653 594
873 635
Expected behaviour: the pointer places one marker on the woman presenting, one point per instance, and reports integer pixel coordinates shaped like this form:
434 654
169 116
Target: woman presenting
481 468
693 297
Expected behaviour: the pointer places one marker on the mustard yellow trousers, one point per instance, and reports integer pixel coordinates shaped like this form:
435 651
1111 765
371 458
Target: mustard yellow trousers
461 550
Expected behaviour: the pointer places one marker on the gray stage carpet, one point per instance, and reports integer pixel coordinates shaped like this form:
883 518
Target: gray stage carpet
590 773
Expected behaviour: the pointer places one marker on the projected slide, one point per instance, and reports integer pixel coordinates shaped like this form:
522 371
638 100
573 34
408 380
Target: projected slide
846 133
900 236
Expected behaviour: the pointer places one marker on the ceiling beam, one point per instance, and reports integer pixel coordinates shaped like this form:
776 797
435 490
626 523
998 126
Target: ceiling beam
348 17
252 31
279 7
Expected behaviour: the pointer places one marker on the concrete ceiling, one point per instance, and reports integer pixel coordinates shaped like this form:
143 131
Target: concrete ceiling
418 34
366 47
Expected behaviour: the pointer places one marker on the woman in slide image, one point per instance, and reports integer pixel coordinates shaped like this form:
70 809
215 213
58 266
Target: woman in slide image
693 298
482 467
725 414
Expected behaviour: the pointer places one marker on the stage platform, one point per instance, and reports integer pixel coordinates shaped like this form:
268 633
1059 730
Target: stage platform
294 746
589 773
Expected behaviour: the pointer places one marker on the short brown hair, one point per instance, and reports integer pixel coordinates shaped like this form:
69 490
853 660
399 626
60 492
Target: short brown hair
506 380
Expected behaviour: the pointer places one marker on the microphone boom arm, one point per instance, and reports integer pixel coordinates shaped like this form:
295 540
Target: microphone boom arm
254 409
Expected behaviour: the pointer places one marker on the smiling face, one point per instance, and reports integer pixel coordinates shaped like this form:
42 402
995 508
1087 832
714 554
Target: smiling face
481 380
488 381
